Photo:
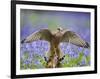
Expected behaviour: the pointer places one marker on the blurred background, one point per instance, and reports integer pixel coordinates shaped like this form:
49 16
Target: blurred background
32 54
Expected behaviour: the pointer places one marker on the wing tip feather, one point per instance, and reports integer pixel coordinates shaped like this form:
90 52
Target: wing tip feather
87 45
23 41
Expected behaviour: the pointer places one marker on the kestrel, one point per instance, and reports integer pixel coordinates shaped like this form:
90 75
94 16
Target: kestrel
55 39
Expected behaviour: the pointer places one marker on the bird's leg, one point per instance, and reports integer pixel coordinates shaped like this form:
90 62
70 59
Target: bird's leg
45 58
59 57
54 58
57 51
62 58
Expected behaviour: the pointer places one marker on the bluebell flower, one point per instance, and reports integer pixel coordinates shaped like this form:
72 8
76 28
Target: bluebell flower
74 55
27 62
83 62
80 49
28 47
64 48
86 52
37 62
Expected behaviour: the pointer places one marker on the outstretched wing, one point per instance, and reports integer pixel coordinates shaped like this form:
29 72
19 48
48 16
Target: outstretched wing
73 38
42 34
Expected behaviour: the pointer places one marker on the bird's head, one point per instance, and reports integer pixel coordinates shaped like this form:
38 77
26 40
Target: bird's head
60 29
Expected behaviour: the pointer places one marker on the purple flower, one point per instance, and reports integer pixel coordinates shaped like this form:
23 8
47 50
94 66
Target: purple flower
86 52
28 47
36 62
74 55
83 62
27 62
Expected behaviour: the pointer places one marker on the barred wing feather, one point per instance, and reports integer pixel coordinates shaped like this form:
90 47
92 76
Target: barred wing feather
42 34
73 38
